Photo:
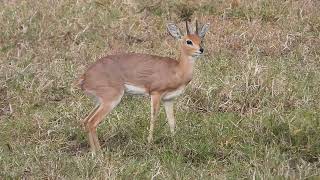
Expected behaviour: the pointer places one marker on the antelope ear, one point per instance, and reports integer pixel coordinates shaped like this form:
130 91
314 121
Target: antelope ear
204 29
173 30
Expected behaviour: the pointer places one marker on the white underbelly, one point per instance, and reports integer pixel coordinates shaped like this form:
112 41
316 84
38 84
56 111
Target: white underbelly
173 94
131 89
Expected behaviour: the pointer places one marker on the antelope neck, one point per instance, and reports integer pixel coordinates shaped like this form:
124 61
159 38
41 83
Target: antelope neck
186 64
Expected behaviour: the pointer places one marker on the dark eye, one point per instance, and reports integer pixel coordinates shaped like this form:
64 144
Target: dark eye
189 42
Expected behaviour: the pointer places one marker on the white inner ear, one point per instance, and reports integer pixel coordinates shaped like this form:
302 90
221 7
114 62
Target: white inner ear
204 29
174 30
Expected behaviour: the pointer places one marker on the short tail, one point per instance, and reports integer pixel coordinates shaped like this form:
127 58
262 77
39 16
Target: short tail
79 82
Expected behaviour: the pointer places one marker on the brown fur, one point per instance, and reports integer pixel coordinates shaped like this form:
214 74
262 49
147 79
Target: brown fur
142 70
160 77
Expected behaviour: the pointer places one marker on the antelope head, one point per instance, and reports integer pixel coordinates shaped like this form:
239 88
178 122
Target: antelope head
190 43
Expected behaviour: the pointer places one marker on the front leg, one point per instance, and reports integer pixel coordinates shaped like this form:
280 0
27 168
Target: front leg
168 105
155 104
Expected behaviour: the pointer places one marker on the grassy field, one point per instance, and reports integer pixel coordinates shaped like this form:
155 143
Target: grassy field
252 110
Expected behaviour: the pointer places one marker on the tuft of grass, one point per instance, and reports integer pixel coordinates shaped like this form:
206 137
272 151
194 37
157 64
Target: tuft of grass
252 110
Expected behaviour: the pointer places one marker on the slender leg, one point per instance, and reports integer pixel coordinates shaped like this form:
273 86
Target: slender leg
155 104
86 119
93 123
107 104
168 105
91 137
91 133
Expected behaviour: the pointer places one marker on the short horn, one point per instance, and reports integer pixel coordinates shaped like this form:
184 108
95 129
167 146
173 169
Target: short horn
188 31
197 27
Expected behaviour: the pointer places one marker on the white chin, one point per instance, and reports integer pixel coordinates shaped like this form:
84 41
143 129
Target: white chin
196 55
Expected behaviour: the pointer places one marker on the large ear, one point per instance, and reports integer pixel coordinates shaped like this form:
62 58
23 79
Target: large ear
204 29
174 30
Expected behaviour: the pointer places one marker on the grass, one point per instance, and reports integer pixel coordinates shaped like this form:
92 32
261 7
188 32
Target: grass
252 110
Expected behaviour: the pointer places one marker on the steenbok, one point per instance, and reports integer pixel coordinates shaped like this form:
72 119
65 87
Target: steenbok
162 78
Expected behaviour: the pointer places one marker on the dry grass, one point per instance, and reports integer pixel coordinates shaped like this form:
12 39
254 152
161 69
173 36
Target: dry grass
252 109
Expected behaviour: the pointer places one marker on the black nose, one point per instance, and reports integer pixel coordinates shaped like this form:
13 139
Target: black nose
201 50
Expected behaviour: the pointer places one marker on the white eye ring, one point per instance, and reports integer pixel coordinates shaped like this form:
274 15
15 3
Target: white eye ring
189 42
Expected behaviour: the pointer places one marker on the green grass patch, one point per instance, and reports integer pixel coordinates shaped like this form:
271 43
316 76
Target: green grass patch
252 110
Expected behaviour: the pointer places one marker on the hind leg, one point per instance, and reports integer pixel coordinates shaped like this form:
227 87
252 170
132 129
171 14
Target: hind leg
86 119
109 99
